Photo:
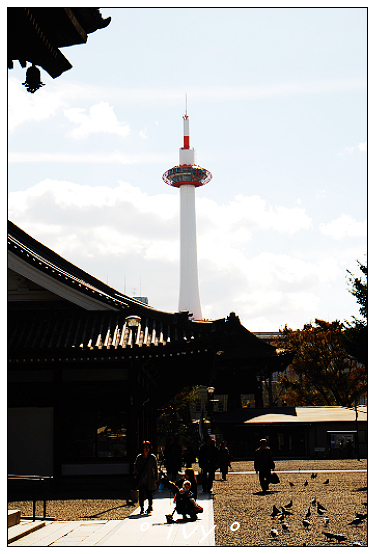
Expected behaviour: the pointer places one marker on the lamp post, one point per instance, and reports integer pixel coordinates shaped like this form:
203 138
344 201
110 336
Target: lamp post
210 401
133 322
136 413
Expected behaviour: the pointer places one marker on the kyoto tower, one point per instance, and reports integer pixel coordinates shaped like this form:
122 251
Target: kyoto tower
187 176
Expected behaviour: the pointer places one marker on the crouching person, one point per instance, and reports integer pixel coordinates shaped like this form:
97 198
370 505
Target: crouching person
184 499
185 503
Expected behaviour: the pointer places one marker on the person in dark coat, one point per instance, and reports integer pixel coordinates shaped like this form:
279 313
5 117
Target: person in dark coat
146 474
208 462
224 460
263 463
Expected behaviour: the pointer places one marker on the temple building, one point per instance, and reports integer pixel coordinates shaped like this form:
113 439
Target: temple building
89 367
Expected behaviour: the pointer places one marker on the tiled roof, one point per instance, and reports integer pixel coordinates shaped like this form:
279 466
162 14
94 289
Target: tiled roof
67 326
50 329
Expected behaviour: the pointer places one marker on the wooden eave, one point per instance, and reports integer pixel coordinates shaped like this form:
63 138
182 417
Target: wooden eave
36 34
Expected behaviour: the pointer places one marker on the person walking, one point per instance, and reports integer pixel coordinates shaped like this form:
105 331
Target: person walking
146 474
208 462
263 463
224 460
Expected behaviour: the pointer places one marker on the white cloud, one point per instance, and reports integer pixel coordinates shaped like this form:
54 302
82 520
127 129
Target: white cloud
120 230
234 224
362 146
142 133
347 150
216 93
92 158
23 106
101 119
344 226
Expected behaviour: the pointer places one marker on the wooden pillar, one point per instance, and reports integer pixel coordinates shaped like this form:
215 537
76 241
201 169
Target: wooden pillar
58 422
270 392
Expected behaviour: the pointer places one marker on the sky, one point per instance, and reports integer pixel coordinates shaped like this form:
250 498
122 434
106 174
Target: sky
277 101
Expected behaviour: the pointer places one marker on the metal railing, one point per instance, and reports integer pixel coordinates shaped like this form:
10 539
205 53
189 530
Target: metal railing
38 485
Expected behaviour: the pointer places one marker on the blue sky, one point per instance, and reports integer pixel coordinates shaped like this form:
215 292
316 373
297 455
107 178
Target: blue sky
277 99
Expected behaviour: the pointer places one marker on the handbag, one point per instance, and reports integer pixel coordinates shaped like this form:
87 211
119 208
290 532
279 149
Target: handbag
274 478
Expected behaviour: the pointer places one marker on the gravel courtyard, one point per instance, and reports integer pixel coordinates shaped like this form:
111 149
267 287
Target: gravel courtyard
243 515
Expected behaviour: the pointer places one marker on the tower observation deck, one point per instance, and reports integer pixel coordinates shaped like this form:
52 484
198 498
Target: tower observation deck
187 176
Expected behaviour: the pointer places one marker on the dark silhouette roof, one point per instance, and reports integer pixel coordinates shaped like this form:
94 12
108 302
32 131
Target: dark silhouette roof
36 34
47 328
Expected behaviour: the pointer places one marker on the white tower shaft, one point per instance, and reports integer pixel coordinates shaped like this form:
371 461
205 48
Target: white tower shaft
187 176
189 291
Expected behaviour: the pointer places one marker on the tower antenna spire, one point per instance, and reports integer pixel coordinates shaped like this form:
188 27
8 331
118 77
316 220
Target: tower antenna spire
185 103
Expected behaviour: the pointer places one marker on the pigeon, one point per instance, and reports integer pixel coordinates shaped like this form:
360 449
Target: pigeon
280 518
313 501
274 533
331 536
321 507
275 511
305 483
326 482
325 521
360 516
320 511
306 523
308 513
314 475
286 512
339 537
290 504
291 484
356 521
285 526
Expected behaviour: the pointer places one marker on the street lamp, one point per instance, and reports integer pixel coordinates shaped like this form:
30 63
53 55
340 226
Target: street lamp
210 401
133 322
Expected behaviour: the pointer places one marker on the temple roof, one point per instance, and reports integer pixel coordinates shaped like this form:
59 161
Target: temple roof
87 316
36 34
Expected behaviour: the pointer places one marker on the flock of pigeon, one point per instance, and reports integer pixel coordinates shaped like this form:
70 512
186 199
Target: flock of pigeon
280 516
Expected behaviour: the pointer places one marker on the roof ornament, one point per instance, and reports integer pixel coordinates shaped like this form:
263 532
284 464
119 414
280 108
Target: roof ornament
33 81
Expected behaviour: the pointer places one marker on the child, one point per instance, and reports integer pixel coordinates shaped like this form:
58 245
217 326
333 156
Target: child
189 476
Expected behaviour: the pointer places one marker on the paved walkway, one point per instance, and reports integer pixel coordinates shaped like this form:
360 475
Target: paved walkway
135 530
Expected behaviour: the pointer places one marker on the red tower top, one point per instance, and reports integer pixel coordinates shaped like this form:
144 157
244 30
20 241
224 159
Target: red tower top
187 172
